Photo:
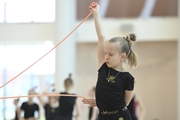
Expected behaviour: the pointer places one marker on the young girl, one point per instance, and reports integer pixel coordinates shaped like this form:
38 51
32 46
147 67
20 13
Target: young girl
50 107
30 108
114 85
67 104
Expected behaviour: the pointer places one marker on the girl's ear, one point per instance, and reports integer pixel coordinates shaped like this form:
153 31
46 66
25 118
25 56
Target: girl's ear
123 57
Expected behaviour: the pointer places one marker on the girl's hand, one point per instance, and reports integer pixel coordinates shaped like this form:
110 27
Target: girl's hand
94 7
76 116
91 102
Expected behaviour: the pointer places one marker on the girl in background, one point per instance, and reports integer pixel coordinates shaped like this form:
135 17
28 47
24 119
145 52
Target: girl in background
29 108
67 104
50 107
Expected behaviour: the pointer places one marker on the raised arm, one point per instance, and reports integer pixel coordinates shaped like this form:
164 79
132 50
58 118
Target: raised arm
47 90
42 102
94 8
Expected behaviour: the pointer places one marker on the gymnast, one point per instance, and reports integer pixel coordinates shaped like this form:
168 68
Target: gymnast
114 88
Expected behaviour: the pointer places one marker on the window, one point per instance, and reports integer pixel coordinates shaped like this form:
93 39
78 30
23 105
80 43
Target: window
27 11
1 82
16 58
1 11
18 11
44 10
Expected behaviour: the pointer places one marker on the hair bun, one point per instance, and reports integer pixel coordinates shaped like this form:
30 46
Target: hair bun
70 75
131 37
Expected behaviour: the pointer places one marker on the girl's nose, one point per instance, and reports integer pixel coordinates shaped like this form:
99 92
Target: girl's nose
106 57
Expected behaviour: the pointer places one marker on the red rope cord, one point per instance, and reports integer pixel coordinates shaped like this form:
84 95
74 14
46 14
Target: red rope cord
40 95
48 51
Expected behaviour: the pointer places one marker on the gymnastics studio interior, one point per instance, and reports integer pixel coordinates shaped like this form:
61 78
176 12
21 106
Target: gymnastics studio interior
31 28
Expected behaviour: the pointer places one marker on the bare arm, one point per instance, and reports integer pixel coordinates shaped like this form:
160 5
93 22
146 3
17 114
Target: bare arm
46 91
48 88
41 101
90 102
77 109
128 96
39 98
141 107
18 113
38 115
94 7
38 112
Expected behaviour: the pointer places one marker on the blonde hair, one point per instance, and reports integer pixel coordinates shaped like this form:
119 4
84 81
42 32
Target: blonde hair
125 46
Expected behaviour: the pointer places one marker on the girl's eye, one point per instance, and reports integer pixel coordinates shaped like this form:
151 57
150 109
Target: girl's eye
105 53
110 54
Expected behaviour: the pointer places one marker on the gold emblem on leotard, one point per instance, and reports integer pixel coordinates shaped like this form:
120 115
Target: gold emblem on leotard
111 79
121 118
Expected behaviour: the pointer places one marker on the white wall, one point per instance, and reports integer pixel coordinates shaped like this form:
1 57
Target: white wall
152 29
155 77
146 29
26 33
178 67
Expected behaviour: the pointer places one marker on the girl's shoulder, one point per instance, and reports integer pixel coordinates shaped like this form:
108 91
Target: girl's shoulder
129 76
104 66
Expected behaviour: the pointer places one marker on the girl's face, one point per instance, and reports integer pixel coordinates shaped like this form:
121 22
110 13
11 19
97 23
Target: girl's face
52 100
68 86
113 57
15 102
31 92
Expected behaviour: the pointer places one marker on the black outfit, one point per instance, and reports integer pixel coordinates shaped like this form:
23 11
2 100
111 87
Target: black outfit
110 94
90 112
29 110
132 108
16 116
66 106
50 112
